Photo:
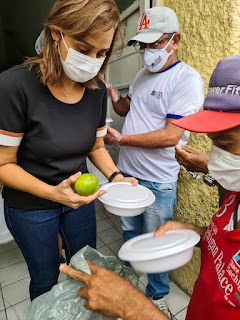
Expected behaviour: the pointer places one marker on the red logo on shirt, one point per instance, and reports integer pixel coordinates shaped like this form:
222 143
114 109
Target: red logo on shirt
144 22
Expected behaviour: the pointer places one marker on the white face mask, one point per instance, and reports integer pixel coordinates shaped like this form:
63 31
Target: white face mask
80 67
155 59
224 167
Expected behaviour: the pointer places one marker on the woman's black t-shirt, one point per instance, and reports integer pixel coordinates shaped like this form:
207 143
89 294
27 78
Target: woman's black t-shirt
54 138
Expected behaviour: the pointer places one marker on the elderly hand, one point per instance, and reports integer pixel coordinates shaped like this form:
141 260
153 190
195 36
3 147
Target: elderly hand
113 137
105 292
170 225
175 225
192 159
113 296
112 92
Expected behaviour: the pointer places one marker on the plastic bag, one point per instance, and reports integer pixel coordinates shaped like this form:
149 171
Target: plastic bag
62 301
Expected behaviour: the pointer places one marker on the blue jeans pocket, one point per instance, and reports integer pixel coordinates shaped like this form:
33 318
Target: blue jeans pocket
163 187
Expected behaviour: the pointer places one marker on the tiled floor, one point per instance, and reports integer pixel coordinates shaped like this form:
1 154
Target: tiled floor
14 277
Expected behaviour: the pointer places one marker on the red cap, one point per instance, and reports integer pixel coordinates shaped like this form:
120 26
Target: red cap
222 104
209 121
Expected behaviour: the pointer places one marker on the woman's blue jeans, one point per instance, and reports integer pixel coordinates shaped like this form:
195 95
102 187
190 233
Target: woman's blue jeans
36 233
155 215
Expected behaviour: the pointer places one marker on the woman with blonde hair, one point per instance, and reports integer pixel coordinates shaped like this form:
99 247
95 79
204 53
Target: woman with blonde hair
53 110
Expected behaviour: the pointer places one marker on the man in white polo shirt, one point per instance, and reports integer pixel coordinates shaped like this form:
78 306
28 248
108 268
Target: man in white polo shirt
163 90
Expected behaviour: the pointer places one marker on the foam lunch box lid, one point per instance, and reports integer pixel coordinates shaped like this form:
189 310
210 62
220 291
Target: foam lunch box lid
125 195
146 247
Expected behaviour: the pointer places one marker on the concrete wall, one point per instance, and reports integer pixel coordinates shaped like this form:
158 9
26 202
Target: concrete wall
210 31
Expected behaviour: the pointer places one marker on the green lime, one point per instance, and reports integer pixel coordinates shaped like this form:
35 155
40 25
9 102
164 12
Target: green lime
73 187
86 184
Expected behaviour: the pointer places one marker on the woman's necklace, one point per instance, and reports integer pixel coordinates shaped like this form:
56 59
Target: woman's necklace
66 94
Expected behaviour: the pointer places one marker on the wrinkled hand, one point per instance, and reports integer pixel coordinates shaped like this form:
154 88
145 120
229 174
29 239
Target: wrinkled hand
112 92
64 194
105 292
170 225
113 137
192 159
175 225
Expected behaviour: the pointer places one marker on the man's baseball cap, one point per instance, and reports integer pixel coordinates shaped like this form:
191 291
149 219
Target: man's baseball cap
153 23
222 103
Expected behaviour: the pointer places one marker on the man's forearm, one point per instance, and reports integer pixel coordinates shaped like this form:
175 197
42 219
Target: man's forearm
139 307
121 107
162 138
154 139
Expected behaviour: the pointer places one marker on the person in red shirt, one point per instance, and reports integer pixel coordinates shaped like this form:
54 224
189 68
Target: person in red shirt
216 293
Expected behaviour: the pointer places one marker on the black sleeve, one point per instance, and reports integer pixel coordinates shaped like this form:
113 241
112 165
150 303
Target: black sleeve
102 128
13 106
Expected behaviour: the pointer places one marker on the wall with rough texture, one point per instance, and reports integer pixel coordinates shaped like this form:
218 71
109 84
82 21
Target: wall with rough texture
210 32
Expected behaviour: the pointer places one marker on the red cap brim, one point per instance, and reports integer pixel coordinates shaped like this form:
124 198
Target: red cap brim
209 121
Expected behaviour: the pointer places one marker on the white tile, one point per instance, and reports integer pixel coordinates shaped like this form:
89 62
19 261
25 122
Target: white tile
106 251
16 292
8 246
13 273
99 243
99 208
109 236
115 246
115 221
181 315
3 315
144 279
142 287
1 301
10 257
98 217
177 300
98 205
103 225
110 222
17 311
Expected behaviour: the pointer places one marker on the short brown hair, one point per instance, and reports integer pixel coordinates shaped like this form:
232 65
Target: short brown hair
78 19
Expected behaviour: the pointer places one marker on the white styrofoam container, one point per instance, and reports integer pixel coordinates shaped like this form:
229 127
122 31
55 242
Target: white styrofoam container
124 199
167 252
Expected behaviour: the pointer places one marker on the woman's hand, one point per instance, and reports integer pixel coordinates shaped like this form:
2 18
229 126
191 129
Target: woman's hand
64 194
121 178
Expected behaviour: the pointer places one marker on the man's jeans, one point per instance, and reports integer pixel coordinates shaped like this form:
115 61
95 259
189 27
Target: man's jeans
36 233
155 215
